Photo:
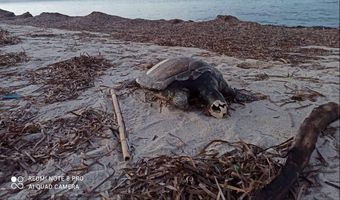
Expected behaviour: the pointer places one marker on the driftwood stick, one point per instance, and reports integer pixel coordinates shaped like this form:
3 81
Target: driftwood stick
300 152
121 126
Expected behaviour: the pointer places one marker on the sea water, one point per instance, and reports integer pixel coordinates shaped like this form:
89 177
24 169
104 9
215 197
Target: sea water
277 12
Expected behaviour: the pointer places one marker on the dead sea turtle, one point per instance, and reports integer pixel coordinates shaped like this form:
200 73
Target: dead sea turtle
183 77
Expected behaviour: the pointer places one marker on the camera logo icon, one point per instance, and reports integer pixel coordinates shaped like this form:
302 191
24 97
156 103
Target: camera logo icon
17 182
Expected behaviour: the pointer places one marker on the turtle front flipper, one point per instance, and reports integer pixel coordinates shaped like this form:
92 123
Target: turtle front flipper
178 96
239 95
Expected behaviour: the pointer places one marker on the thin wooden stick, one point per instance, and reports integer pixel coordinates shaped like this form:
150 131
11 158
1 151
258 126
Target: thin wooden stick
121 126
219 189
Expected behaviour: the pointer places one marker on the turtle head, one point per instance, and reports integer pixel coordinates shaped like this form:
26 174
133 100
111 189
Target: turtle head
208 88
218 109
217 106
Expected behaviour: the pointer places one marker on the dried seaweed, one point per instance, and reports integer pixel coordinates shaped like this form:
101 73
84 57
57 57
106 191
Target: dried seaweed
10 59
7 39
225 34
64 80
237 174
25 143
298 95
8 90
303 94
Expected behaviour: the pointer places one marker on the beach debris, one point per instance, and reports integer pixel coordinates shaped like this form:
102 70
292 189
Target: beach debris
7 39
298 95
10 59
300 152
307 94
43 35
27 145
303 94
66 79
11 89
9 96
121 126
244 171
181 79
231 37
236 174
258 77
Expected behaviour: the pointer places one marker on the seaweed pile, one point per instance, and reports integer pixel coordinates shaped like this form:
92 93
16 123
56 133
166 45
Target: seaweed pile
26 146
10 59
225 34
64 80
7 39
236 174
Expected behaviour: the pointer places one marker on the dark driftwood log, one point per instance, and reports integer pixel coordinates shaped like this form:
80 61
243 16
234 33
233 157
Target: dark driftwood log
302 148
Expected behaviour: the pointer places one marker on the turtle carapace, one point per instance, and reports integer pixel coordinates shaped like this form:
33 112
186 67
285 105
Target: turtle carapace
179 78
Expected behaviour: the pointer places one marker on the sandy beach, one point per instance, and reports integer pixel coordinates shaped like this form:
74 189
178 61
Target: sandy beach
297 73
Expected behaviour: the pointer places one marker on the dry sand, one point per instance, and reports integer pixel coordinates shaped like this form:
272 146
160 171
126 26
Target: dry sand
151 126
